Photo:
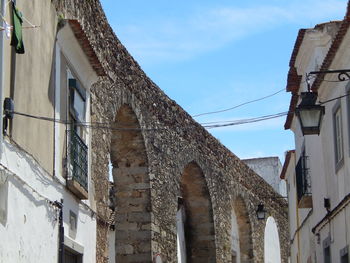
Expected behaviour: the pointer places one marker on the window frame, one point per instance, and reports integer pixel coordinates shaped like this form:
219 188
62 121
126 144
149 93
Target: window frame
77 138
81 91
347 91
338 136
76 90
4 193
344 253
303 181
327 248
70 54
68 251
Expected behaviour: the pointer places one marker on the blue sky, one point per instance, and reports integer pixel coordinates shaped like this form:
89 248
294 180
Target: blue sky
212 55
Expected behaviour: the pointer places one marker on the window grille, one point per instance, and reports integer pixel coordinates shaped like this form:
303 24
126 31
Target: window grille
303 177
78 159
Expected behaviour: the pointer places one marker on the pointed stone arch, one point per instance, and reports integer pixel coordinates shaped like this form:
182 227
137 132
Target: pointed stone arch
244 231
132 187
199 223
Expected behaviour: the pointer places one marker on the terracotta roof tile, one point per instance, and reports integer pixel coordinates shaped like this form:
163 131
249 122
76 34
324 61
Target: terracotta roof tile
325 65
332 51
86 47
293 80
286 164
297 45
292 106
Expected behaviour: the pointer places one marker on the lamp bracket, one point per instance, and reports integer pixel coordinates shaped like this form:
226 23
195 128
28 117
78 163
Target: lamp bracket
343 74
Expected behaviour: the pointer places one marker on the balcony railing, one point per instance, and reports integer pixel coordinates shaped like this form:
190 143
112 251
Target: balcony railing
78 152
303 180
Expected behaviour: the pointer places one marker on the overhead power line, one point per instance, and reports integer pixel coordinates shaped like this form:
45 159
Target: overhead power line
111 126
239 105
342 96
207 125
245 121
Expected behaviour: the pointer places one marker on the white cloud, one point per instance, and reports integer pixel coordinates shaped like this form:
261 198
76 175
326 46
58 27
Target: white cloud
182 38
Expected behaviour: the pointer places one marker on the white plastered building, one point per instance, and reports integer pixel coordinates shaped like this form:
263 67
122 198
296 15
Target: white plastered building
47 205
318 170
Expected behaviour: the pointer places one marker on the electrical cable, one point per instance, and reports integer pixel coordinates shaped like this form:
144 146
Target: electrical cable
109 126
342 96
245 121
208 125
251 119
239 105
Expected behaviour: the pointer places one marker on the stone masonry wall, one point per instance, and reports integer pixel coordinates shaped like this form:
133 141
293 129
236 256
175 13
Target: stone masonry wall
172 140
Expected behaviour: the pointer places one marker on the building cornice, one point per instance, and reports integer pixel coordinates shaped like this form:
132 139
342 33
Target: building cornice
292 105
292 76
86 47
297 46
286 163
331 214
344 27
294 80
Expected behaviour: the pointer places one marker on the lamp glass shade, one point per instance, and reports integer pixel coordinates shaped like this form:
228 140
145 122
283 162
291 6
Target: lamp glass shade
310 118
260 212
260 215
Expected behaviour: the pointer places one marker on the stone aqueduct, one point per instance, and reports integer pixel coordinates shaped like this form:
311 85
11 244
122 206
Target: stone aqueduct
161 157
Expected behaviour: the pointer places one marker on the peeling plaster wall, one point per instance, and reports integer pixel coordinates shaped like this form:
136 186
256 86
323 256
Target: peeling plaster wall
28 223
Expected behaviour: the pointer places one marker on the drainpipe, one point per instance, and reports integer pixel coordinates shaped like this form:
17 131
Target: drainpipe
59 205
298 230
2 74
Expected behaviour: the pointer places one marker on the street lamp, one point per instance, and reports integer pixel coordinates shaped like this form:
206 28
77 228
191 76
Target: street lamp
309 114
260 212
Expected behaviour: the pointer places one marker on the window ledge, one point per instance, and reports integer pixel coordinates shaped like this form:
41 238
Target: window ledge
339 165
73 245
305 202
77 189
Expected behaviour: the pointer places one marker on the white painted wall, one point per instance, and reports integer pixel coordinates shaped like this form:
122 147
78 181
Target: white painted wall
111 246
269 168
180 232
327 181
29 225
235 238
272 249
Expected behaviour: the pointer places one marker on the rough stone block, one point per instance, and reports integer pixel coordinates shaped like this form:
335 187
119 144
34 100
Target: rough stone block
126 225
124 249
139 217
139 235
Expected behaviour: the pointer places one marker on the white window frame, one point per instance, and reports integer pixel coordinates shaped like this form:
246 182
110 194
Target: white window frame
74 248
82 130
344 254
68 46
338 136
326 249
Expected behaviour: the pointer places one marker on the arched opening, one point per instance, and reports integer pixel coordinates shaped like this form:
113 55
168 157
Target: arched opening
235 249
132 188
243 253
180 231
198 220
272 250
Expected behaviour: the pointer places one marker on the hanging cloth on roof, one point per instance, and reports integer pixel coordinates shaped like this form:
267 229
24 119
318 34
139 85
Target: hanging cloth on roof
17 37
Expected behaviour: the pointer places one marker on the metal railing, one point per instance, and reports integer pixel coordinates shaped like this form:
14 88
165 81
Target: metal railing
78 152
303 178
